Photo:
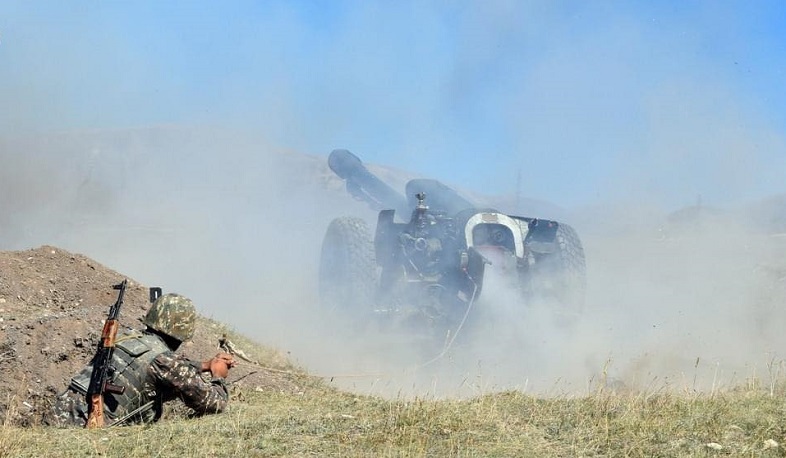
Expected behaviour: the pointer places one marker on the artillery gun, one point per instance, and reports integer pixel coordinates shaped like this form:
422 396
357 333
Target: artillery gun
427 271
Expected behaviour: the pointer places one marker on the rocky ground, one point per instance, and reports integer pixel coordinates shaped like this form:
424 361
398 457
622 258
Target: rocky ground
52 307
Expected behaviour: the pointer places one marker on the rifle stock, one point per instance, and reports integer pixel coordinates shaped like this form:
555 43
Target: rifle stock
99 380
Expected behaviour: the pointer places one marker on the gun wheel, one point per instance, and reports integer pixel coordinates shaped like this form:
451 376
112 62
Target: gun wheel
561 276
347 270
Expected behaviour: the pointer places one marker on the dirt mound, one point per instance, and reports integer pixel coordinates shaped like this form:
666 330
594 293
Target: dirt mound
52 307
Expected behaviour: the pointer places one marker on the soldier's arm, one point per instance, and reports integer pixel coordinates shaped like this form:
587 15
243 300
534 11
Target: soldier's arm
183 378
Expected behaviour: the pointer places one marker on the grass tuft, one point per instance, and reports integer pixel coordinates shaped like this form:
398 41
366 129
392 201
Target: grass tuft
318 420
322 421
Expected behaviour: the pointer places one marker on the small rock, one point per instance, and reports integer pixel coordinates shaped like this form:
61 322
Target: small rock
769 443
714 446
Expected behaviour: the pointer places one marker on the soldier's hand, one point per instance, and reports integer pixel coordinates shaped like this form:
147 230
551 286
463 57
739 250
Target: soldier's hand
220 365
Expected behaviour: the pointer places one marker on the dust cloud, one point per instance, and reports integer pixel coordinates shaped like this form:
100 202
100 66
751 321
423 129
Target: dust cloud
688 303
694 308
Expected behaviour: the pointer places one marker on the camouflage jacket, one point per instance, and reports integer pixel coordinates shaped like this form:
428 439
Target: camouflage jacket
151 375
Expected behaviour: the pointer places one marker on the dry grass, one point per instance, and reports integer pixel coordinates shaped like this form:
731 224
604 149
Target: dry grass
10 441
322 421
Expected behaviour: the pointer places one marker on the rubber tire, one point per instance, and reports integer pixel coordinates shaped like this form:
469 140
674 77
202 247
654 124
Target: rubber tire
347 268
566 274
573 266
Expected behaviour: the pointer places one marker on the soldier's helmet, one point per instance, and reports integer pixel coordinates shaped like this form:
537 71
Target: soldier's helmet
173 315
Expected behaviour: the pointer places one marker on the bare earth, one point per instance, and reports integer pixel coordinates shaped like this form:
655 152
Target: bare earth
52 307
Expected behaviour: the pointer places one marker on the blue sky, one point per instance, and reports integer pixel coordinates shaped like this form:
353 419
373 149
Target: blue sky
589 101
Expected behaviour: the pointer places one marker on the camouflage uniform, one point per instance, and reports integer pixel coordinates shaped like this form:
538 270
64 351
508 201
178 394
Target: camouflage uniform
150 373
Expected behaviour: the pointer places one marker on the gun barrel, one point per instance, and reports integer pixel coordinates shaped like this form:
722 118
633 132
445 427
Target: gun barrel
363 184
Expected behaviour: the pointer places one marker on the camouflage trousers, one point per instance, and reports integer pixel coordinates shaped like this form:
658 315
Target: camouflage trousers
69 410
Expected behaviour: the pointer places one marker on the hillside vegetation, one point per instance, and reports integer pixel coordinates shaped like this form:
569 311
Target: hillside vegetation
321 421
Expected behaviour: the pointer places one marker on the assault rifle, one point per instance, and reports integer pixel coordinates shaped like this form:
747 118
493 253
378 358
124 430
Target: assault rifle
99 381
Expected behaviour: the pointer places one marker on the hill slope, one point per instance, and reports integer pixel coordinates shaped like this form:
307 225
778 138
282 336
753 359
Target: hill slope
52 307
